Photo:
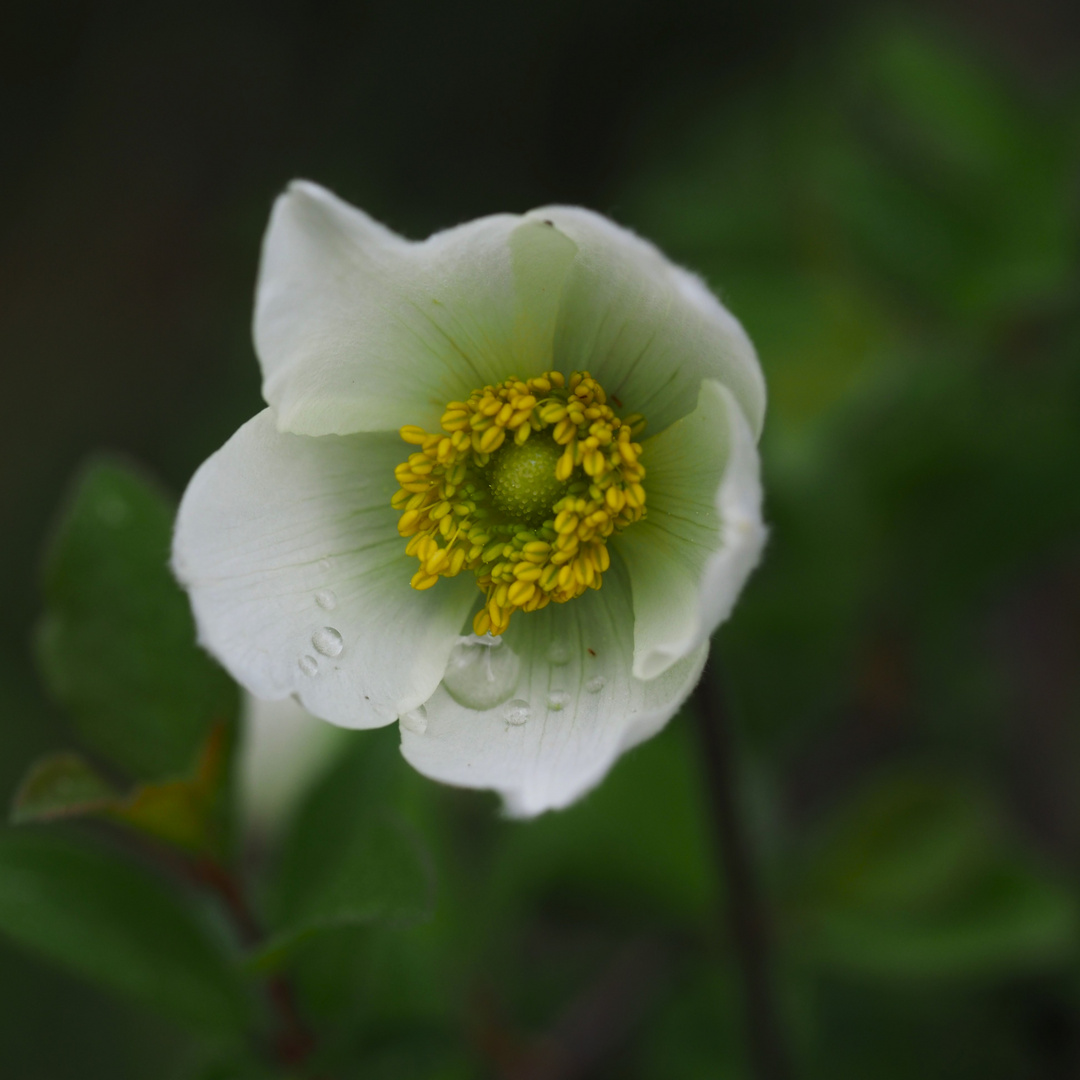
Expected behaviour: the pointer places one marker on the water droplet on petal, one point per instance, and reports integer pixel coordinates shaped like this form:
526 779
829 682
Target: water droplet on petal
517 712
324 564
482 672
558 700
326 599
328 641
309 665
415 720
595 684
558 653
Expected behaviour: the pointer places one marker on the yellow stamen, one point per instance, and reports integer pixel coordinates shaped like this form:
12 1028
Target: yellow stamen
524 486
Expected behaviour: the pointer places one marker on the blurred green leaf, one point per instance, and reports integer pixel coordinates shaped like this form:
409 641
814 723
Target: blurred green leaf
230 1063
183 812
350 859
61 786
914 878
412 1056
903 842
945 178
1006 918
98 915
117 641
615 847
695 1032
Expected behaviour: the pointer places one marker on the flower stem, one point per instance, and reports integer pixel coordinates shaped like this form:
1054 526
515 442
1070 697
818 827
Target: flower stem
745 913
293 1042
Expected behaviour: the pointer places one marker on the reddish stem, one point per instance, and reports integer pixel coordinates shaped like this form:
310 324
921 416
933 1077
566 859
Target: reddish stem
293 1043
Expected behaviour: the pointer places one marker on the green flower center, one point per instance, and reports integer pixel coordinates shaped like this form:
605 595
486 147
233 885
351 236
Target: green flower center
522 480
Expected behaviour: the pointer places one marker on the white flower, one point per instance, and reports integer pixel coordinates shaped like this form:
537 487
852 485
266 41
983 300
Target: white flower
290 548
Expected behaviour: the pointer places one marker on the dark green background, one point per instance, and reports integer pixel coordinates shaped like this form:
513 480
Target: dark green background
888 198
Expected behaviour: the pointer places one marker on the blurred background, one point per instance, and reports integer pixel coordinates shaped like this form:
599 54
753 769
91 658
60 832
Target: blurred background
888 198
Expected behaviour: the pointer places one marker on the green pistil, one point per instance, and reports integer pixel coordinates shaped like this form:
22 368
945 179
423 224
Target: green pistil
522 480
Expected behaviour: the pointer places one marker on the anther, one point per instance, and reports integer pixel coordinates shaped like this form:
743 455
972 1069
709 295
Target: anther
524 485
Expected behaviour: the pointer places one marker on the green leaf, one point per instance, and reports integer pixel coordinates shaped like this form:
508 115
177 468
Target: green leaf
228 1063
613 848
350 859
1007 918
185 812
961 190
117 641
414 1054
916 878
61 786
94 913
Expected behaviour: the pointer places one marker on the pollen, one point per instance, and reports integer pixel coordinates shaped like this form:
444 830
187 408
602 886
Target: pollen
524 486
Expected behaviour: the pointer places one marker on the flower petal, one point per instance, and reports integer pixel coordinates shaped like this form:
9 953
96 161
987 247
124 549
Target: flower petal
289 550
358 329
571 710
703 533
647 330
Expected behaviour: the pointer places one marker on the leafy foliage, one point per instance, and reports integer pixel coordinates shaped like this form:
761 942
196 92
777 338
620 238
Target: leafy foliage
915 880
117 641
184 812
93 912
60 786
351 859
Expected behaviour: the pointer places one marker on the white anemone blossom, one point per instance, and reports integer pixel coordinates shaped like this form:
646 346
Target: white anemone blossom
505 488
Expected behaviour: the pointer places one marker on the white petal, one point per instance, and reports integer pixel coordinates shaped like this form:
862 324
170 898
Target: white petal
289 550
702 534
647 330
584 707
358 329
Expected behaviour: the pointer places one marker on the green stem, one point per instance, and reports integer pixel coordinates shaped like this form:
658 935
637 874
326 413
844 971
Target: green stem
745 912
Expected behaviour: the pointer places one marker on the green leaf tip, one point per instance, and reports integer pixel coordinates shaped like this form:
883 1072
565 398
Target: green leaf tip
183 812
61 786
